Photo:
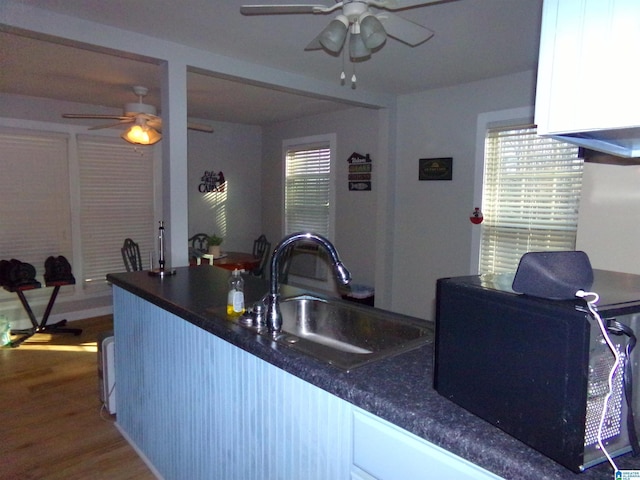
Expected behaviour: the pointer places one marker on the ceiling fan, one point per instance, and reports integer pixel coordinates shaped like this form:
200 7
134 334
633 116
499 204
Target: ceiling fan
146 125
367 30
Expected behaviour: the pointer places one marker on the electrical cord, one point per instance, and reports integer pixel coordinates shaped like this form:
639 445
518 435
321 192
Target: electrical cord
617 328
105 406
591 305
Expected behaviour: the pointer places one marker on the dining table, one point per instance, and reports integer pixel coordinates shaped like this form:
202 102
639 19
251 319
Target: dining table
234 261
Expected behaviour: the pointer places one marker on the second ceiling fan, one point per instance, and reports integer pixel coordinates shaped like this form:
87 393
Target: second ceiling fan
145 125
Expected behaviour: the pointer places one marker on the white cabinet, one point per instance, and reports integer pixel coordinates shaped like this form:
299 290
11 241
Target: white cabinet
383 451
588 72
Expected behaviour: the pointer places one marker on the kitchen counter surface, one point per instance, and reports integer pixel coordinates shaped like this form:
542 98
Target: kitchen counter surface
398 389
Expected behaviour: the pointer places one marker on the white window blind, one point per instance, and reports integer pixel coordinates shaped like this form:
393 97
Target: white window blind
531 194
116 202
35 220
308 189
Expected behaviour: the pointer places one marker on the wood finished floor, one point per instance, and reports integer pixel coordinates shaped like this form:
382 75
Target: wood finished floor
52 425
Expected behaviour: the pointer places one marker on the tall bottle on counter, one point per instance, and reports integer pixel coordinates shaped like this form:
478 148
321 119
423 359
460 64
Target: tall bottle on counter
235 298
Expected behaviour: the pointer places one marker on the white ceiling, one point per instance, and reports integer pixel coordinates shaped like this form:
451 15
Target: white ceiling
474 39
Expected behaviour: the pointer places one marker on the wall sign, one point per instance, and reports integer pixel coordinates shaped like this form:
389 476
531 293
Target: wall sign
212 182
360 167
435 168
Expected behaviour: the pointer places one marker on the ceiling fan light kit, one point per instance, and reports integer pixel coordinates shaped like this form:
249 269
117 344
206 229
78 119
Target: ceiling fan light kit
141 135
358 51
333 36
372 31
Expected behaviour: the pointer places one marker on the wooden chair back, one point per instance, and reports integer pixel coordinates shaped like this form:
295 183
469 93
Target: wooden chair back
261 250
199 242
131 255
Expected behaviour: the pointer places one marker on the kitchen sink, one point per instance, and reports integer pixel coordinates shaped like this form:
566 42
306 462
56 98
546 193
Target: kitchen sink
344 334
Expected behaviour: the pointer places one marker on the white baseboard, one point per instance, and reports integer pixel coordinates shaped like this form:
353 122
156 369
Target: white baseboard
139 452
24 321
82 314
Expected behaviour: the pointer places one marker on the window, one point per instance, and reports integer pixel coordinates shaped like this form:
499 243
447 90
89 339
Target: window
35 209
308 187
308 199
531 194
116 202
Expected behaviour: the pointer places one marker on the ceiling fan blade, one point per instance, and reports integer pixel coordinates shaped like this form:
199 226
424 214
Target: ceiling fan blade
279 9
155 122
104 117
111 125
404 30
400 4
314 44
200 127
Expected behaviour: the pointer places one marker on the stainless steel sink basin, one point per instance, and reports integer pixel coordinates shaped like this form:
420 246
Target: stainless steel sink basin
343 334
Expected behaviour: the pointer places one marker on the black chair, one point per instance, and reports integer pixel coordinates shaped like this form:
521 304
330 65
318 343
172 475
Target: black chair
131 255
261 250
198 245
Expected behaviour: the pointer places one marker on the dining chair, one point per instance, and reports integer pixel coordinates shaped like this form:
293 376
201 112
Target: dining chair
198 245
131 255
261 250
199 242
258 245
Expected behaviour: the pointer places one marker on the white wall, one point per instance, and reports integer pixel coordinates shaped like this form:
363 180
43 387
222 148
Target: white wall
234 214
609 218
433 233
356 212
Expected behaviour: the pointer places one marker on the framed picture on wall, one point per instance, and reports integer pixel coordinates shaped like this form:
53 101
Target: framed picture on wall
435 168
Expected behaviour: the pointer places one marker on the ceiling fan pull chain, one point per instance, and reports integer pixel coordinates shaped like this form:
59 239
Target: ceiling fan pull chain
353 77
343 76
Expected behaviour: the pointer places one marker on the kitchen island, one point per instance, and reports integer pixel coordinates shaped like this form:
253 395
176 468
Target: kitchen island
201 397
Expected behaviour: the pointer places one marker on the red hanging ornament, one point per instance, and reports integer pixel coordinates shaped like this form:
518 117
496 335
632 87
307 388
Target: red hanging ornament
476 216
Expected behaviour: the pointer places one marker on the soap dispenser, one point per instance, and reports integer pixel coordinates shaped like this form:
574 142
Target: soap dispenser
235 298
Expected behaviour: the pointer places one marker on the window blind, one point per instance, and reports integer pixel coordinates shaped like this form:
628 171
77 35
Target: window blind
35 215
116 202
531 194
307 189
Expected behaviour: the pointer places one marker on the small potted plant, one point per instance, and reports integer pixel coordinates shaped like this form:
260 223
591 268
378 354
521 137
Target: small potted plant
213 242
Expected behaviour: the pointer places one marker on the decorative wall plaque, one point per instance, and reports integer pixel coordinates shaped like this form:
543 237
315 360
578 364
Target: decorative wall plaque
435 168
212 182
360 167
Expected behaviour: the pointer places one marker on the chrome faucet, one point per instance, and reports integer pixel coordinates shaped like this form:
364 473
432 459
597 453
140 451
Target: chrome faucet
274 317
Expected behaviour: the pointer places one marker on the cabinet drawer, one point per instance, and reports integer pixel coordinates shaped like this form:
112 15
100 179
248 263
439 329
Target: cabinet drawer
387 452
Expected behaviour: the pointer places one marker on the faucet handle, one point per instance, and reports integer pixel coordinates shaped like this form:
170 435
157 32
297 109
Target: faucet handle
254 318
258 314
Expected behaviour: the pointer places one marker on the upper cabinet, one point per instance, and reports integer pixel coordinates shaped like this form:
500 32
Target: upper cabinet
588 89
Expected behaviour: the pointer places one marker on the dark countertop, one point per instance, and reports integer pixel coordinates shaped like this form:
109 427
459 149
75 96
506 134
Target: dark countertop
397 389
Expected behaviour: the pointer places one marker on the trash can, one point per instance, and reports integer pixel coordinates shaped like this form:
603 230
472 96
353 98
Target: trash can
359 294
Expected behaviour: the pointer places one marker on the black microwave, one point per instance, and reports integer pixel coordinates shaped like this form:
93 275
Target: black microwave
539 369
